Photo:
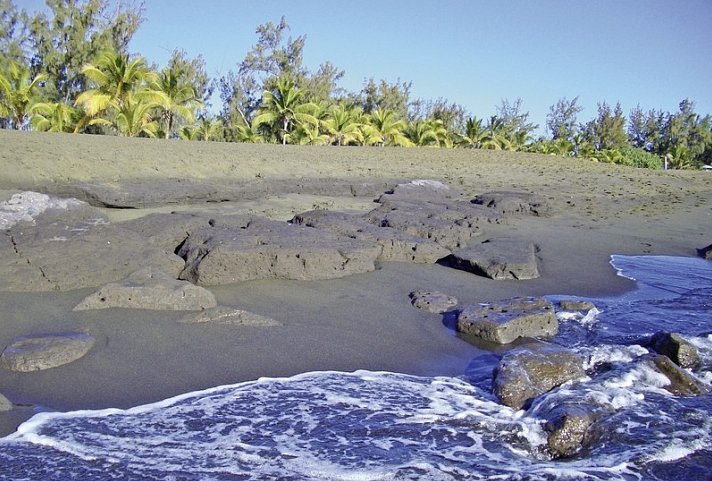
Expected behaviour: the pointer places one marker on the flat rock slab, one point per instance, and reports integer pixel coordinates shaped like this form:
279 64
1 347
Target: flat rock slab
432 301
505 321
75 248
150 289
523 374
229 315
273 250
45 352
513 203
420 190
501 258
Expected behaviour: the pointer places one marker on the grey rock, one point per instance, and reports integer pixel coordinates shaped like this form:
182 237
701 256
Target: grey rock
576 305
706 252
229 315
672 345
432 301
150 289
523 374
504 321
682 383
269 249
513 203
566 427
5 404
75 248
500 258
44 352
420 191
396 245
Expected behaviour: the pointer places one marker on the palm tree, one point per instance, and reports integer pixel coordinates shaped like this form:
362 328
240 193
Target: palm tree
248 134
343 124
118 80
308 134
474 133
389 129
181 101
421 133
205 130
54 117
134 117
282 108
18 91
496 136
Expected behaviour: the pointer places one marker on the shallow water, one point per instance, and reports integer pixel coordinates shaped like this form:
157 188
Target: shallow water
383 426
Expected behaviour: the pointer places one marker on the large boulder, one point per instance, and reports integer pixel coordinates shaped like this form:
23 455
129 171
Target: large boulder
75 247
672 345
524 374
269 249
432 301
150 289
566 427
500 258
505 321
513 203
37 353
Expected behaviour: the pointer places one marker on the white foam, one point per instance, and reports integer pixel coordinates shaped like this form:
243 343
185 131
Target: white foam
26 206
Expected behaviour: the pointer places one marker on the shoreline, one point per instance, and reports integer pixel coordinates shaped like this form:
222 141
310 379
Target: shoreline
363 321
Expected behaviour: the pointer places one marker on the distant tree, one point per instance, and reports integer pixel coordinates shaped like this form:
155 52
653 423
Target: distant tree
385 96
607 130
497 135
282 107
180 99
54 117
388 128
474 134
452 115
192 71
561 120
134 117
515 122
343 124
73 33
18 91
14 37
425 133
206 130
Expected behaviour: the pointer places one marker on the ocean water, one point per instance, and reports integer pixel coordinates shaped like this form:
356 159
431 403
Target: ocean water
389 426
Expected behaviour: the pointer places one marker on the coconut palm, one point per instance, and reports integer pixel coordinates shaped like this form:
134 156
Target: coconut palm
389 129
54 117
496 136
180 103
308 134
474 134
422 133
118 80
282 108
248 134
343 124
18 91
205 130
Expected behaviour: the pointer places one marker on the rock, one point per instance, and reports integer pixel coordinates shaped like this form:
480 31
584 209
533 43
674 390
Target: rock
5 404
523 374
397 246
504 321
75 248
432 301
706 252
682 383
44 352
150 289
676 348
508 203
270 249
502 258
566 427
420 191
27 206
228 315
576 305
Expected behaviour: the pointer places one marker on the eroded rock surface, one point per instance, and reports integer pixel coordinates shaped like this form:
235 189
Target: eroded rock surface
35 353
229 315
681 382
432 301
513 203
499 258
672 345
505 321
150 289
523 374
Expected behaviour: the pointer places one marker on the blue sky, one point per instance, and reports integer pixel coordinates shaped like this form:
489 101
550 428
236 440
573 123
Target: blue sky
476 52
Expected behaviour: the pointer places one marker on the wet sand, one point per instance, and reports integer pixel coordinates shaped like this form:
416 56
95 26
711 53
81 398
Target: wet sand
358 322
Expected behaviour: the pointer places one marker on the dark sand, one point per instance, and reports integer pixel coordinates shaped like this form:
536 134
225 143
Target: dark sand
358 322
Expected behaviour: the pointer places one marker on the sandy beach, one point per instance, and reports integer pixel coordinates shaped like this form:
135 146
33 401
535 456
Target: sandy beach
362 321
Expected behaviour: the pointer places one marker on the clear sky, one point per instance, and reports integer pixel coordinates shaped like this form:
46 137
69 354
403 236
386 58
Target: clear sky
476 52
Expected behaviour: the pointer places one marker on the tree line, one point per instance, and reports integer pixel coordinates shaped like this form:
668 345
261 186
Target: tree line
68 69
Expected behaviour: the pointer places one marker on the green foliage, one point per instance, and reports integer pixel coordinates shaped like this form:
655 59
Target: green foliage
54 117
282 108
18 91
637 157
607 130
561 120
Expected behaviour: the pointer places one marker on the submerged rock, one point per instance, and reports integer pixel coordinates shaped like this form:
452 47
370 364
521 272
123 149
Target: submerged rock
505 321
432 301
576 305
681 382
503 258
37 353
523 374
566 427
672 345
150 289
229 315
